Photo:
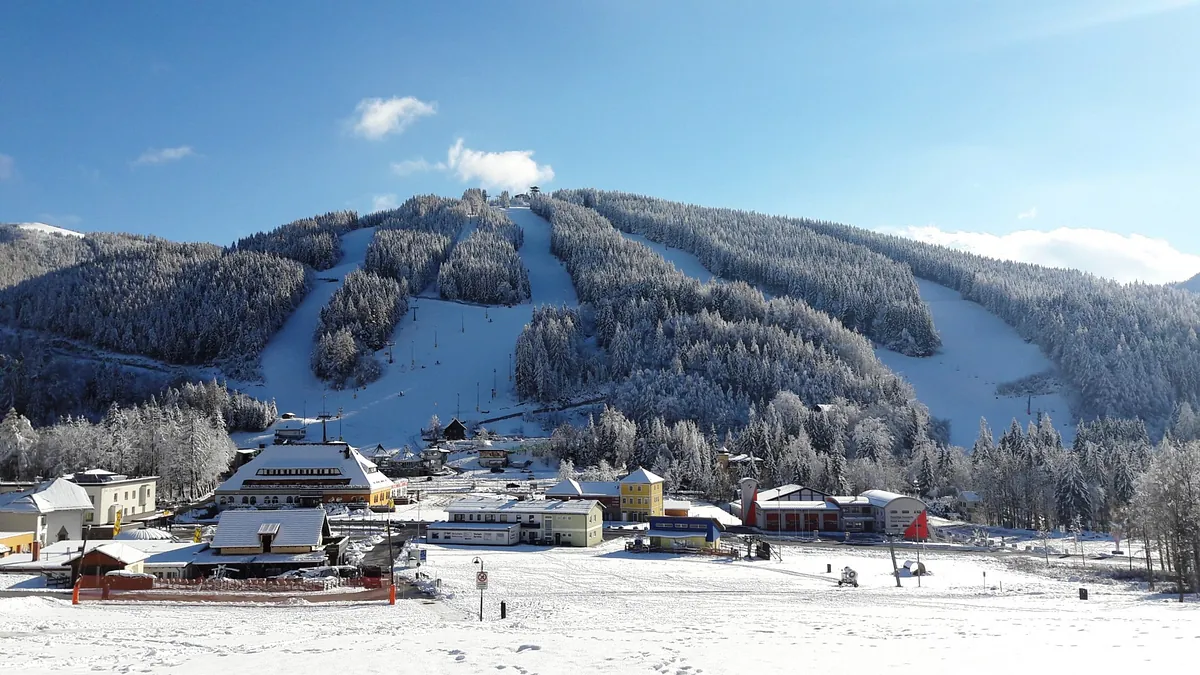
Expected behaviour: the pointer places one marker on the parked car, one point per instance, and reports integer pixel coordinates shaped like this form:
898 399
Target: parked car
496 469
512 485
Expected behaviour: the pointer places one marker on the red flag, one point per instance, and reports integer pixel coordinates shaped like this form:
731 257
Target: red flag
919 528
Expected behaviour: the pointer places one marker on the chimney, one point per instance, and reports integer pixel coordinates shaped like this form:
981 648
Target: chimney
749 488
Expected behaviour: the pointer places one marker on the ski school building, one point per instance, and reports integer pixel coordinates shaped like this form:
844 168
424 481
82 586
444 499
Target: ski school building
795 508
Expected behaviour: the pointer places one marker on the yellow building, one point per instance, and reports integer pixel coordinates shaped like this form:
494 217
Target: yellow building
641 496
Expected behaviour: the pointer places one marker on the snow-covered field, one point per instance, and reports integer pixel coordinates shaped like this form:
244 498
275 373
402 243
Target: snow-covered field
605 611
444 358
979 351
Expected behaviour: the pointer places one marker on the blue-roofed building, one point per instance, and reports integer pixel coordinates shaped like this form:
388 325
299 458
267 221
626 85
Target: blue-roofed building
669 532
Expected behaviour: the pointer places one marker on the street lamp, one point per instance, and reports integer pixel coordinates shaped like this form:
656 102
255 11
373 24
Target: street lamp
479 561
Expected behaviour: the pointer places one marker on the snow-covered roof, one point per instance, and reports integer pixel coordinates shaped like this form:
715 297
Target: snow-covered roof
55 495
492 504
240 528
676 504
211 557
882 497
573 488
641 476
780 492
677 534
796 505
970 496
471 526
145 534
850 500
122 553
179 554
338 462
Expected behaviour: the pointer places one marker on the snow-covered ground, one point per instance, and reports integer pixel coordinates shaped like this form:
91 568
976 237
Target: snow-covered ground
605 611
686 262
979 351
450 354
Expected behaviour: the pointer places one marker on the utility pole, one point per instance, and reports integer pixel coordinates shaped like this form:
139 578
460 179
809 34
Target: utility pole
435 337
413 353
390 344
510 373
476 395
463 321
493 384
457 404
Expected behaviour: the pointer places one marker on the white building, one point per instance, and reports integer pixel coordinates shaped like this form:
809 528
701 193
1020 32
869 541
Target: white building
540 521
477 534
112 493
53 511
894 513
308 474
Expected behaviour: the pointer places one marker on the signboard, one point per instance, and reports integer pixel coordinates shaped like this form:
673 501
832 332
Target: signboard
481 580
117 524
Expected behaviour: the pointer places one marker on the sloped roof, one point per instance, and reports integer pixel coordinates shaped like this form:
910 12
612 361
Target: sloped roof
122 553
145 534
362 472
296 527
641 476
56 495
573 488
881 498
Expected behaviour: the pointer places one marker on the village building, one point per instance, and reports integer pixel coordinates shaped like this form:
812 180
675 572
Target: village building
52 511
795 508
256 543
541 521
7 486
490 457
608 493
634 498
641 496
675 532
306 475
112 556
455 431
112 493
474 533
163 558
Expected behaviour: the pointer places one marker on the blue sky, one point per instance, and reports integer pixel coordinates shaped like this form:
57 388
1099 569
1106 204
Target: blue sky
948 120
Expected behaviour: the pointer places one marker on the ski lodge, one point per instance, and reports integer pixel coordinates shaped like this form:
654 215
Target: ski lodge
539 521
306 475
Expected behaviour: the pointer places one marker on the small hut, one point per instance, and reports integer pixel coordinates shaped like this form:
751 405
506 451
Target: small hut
455 431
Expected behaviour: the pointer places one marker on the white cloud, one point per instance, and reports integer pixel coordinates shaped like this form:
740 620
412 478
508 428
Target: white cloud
383 202
7 165
153 156
410 166
1028 215
62 220
512 170
1116 256
377 117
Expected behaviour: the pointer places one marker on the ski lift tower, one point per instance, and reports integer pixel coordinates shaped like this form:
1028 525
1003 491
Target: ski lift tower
325 416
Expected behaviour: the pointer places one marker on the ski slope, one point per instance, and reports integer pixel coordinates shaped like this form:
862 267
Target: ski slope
979 351
605 611
446 354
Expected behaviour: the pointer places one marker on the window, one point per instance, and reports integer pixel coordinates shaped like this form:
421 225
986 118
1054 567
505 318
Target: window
458 517
491 517
254 500
531 517
93 499
245 500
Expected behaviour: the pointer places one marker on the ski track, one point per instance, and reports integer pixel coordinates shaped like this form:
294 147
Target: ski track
979 351
474 345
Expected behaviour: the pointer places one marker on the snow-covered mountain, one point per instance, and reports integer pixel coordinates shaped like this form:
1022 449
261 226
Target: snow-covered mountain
49 229
1192 284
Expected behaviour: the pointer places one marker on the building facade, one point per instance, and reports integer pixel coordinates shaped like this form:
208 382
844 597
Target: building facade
306 475
112 493
474 533
53 511
541 521
641 496
795 508
607 493
668 532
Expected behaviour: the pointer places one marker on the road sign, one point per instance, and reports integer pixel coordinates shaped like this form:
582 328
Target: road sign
481 580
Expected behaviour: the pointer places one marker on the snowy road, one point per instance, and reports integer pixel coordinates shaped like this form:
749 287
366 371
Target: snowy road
604 611
447 356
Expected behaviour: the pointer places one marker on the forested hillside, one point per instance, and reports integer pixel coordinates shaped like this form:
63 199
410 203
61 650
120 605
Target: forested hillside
313 241
182 303
866 291
25 254
1130 350
717 356
486 267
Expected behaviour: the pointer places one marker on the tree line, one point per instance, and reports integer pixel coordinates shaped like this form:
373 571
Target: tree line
313 241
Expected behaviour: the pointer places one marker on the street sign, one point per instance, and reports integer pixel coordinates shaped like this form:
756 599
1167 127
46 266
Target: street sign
481 580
